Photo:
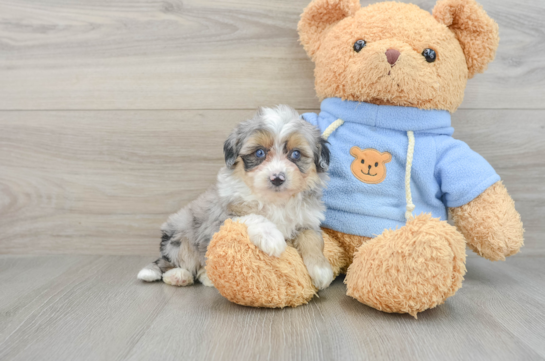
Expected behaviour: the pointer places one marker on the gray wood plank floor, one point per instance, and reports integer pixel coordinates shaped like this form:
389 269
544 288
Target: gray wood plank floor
93 308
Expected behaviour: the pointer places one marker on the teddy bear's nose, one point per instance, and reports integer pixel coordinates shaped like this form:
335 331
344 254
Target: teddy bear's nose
392 55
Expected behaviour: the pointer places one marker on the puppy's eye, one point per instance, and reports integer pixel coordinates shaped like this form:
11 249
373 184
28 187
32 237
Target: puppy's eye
295 155
429 54
362 161
376 164
358 45
260 153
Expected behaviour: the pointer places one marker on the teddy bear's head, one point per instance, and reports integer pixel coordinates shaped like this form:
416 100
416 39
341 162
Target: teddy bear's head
397 54
369 165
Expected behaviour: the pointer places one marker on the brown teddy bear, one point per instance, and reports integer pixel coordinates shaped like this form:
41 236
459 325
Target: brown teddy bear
389 76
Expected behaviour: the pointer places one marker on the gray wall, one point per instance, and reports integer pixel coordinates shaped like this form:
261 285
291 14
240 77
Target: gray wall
113 113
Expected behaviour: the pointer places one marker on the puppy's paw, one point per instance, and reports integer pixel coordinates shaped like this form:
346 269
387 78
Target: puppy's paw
149 274
178 277
321 275
268 238
202 276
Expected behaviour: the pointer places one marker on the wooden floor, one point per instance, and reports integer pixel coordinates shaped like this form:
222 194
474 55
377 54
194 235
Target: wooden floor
93 308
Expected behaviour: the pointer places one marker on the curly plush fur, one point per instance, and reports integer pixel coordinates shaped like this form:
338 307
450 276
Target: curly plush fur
245 275
461 33
490 224
420 265
410 269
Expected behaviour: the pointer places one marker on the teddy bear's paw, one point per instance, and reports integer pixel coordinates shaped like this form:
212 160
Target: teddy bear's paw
245 275
321 275
411 269
491 224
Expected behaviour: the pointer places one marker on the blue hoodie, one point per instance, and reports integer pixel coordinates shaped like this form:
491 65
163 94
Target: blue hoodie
445 172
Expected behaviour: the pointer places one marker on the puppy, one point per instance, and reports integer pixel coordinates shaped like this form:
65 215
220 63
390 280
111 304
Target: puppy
275 170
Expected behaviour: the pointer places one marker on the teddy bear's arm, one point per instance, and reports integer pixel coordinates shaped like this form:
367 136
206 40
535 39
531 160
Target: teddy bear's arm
490 223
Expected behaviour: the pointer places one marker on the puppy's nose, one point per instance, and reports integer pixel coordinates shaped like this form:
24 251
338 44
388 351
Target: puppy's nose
278 179
392 55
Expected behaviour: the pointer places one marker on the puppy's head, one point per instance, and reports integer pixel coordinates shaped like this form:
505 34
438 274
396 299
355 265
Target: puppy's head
277 154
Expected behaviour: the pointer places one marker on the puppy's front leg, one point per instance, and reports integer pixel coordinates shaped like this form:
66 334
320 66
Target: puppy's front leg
310 245
264 234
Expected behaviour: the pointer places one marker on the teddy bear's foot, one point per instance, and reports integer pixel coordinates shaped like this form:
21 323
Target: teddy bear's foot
411 269
245 275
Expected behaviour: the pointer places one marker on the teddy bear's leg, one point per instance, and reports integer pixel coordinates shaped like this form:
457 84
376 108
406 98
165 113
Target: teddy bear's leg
245 275
490 224
411 269
349 243
335 253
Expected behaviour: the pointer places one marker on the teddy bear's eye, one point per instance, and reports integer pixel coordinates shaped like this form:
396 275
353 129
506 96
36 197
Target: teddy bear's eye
358 45
362 161
429 54
376 164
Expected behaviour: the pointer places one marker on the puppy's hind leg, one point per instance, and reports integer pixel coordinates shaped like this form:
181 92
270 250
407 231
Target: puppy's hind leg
188 262
178 277
154 271
203 278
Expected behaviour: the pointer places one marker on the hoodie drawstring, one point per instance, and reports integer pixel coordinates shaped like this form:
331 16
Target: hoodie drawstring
408 166
331 128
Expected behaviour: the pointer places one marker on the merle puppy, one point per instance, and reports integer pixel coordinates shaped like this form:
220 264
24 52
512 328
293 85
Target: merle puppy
275 170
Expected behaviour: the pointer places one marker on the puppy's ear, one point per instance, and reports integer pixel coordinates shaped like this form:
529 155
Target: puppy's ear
318 17
322 156
231 150
477 33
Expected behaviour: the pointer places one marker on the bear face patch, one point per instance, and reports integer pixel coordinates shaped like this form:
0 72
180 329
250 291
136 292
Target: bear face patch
369 165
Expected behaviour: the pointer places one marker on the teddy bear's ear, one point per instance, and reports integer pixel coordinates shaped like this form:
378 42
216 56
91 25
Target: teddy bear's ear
474 29
318 17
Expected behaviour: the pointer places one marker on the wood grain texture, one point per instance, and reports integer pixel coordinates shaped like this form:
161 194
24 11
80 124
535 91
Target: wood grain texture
205 54
93 308
102 182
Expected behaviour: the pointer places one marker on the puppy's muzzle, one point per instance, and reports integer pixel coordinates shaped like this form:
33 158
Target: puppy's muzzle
277 179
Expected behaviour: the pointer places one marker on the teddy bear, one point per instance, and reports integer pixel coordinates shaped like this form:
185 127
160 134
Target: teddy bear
389 76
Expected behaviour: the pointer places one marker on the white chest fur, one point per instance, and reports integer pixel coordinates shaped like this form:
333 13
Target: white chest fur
295 214
298 212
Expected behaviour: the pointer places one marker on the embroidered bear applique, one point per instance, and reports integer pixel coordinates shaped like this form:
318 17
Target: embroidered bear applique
369 165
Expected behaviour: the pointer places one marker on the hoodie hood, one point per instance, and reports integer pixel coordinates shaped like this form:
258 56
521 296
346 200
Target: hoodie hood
389 116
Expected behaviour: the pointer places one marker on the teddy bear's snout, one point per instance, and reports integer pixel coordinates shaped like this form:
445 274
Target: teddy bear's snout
392 55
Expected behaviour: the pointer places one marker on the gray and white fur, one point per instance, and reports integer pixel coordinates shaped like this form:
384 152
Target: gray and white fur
276 168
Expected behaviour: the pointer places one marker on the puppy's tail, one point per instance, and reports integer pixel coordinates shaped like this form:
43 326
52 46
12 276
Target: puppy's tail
151 272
